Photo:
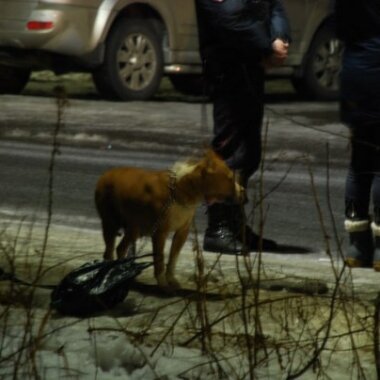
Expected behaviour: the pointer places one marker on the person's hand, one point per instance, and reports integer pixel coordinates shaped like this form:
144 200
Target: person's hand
280 50
280 53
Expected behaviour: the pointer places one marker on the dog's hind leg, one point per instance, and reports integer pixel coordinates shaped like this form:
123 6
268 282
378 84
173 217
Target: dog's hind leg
109 236
178 241
128 241
158 240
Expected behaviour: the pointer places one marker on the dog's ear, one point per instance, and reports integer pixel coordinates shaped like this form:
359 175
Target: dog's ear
211 160
211 155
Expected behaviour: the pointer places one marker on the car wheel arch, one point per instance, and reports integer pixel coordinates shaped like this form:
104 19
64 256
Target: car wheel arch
139 11
308 79
327 22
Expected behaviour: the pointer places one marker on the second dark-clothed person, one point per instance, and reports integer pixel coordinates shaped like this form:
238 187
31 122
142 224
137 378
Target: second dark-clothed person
358 26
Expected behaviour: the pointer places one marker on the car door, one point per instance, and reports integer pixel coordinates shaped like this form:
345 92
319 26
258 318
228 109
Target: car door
305 17
315 52
184 34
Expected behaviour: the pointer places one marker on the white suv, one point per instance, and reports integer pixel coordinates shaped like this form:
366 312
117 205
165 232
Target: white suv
128 45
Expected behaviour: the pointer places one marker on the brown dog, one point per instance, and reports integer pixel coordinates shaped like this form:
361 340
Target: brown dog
154 203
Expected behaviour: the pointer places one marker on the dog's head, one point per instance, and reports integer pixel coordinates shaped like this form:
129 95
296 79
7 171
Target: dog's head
219 181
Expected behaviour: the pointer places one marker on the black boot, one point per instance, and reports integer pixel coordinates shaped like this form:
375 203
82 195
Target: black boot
360 249
227 231
219 235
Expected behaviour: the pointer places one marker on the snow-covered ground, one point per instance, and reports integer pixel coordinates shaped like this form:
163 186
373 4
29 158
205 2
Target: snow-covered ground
222 333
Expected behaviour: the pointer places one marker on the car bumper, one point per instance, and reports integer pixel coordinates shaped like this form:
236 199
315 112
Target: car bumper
72 32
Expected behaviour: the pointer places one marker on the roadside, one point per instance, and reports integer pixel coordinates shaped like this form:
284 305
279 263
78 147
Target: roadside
153 333
80 86
292 272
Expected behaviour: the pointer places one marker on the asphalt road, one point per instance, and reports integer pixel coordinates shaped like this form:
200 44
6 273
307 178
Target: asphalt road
303 172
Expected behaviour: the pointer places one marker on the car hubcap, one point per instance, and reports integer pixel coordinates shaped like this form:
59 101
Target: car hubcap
327 64
137 62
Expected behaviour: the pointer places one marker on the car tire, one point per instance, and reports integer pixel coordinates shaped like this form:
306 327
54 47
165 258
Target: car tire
133 64
13 79
320 74
189 84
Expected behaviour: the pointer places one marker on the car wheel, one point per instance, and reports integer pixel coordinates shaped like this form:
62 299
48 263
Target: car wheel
133 64
320 79
13 79
188 84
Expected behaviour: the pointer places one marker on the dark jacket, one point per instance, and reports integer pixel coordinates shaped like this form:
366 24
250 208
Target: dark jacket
246 26
357 20
358 25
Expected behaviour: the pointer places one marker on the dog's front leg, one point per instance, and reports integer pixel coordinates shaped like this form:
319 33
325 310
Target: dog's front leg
158 240
178 241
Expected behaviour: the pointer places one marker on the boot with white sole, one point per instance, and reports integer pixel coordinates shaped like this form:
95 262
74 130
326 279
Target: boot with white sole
360 249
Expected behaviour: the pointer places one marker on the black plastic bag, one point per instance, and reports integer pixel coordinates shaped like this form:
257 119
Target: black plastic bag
95 286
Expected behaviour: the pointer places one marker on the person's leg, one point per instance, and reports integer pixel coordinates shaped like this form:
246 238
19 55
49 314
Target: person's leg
247 157
376 199
238 111
229 108
238 114
357 197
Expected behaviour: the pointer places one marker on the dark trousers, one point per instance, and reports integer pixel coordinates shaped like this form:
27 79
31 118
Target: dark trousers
363 178
237 90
